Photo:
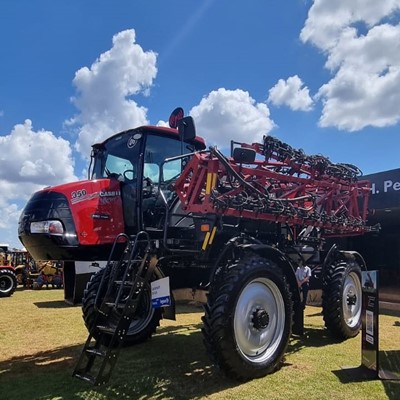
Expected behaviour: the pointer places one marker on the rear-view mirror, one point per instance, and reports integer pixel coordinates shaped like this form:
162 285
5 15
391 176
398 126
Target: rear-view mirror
186 129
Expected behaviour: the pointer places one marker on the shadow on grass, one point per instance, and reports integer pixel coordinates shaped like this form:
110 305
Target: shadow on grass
312 337
173 364
361 374
52 304
189 307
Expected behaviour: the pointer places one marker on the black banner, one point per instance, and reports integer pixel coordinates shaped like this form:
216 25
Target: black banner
370 319
385 189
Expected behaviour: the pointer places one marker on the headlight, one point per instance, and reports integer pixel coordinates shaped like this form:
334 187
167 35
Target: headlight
51 227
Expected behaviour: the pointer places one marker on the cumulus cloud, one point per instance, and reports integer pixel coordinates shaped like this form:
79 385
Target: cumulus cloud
104 91
355 99
292 94
361 40
9 215
224 115
35 157
29 161
327 18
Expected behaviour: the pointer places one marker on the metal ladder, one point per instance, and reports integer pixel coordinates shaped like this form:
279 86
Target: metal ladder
125 283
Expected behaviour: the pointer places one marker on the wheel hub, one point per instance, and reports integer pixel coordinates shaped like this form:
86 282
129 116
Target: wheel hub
260 319
351 299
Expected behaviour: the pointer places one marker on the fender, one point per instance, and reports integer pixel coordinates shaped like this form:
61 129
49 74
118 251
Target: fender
263 250
281 260
8 267
335 254
354 256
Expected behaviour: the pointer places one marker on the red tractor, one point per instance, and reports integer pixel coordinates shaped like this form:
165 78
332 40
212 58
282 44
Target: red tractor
158 205
8 278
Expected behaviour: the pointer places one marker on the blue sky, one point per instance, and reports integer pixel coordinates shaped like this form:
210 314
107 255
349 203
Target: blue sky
322 75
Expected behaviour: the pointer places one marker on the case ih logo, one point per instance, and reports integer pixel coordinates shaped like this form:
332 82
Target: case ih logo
111 193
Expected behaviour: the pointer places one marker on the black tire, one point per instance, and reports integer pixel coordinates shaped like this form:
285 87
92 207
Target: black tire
248 318
142 327
8 282
342 299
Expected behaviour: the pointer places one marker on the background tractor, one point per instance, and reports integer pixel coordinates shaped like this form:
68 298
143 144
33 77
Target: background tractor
8 279
47 273
158 205
24 265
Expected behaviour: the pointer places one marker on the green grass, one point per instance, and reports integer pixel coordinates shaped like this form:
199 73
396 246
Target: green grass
41 338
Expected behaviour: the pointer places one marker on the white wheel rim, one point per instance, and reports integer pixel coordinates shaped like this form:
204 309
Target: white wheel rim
352 299
259 320
6 284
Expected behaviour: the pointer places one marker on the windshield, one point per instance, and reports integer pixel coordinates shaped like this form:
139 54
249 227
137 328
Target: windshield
158 148
118 157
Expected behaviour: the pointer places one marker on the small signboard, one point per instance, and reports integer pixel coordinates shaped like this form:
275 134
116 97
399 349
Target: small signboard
160 293
370 318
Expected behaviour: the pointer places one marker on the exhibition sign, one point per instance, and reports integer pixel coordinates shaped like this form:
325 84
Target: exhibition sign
370 321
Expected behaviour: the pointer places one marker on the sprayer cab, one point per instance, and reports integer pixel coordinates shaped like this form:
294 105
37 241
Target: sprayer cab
80 220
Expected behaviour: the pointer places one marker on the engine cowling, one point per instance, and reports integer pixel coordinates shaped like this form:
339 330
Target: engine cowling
74 221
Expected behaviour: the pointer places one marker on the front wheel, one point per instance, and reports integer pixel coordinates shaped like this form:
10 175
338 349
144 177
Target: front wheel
8 282
247 321
341 299
142 326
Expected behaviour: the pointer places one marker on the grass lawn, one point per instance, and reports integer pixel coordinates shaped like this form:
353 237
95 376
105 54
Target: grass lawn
41 338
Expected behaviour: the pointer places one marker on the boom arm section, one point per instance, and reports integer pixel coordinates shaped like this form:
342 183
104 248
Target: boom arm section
281 184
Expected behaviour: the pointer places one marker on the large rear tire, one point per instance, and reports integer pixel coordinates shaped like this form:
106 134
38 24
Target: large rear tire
341 299
8 282
248 318
142 326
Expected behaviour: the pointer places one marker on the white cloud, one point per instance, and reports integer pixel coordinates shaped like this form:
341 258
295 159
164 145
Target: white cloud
162 123
292 94
37 158
327 18
225 115
361 39
9 215
371 53
355 99
104 91
29 161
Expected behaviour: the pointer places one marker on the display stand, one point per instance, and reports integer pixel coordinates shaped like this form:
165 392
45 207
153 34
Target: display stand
374 364
370 322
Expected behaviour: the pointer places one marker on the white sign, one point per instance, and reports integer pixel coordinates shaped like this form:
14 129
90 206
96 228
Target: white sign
160 293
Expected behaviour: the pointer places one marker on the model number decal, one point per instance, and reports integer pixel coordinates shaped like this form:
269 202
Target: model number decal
81 195
78 193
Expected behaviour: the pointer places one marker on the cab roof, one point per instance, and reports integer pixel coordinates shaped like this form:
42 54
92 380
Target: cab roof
198 141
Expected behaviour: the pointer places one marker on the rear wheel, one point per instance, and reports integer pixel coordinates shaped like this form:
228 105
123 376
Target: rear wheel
247 321
341 299
8 282
142 326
